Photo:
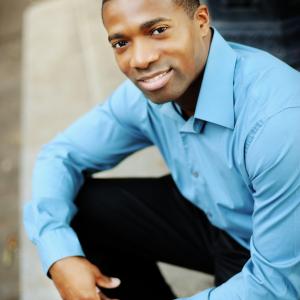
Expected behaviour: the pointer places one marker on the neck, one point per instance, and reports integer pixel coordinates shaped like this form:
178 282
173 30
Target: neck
188 100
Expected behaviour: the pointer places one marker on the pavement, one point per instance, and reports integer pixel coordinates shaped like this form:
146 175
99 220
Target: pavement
68 67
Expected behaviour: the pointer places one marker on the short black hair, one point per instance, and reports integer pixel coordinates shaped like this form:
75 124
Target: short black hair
189 6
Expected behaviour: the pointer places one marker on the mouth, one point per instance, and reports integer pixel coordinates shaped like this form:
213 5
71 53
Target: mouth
156 81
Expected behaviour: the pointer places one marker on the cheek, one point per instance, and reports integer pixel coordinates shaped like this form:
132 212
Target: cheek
186 66
186 58
122 64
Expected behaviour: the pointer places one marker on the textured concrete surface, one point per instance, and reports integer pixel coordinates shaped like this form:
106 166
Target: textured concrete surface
67 68
9 152
10 68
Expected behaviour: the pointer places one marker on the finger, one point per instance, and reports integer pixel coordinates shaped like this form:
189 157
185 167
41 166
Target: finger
102 296
108 282
105 281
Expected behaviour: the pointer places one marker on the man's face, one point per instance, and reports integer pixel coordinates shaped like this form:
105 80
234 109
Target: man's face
157 45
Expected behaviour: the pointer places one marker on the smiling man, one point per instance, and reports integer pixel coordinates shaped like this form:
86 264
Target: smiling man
226 118
163 50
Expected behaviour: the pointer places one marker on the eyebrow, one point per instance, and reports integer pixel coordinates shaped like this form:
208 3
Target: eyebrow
116 36
143 26
150 23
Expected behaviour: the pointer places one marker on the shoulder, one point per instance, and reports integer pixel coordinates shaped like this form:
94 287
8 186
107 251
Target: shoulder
127 97
127 103
264 80
263 85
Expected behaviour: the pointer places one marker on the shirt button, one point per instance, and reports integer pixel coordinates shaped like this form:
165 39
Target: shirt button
195 174
197 127
209 214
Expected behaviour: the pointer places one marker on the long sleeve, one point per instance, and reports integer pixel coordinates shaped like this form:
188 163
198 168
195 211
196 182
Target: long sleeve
273 163
97 141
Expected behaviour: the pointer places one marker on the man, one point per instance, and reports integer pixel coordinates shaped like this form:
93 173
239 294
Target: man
226 120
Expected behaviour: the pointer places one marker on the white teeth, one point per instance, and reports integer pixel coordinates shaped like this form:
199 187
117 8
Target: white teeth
156 77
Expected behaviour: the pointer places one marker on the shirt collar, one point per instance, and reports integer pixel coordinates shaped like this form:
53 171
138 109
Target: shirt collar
215 103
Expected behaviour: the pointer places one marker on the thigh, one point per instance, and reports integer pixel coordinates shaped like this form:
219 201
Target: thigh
146 218
229 257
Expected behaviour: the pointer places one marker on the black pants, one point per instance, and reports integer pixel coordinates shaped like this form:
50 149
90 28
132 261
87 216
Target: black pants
126 225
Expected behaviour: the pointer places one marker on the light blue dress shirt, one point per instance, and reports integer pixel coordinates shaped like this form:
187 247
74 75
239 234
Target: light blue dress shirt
237 158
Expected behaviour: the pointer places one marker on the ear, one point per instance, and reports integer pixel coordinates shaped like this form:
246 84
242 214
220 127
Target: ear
202 19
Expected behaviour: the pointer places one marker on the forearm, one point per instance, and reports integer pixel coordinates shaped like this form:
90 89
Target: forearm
55 184
93 143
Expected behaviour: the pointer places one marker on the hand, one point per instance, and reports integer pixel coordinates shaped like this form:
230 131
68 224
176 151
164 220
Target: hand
76 278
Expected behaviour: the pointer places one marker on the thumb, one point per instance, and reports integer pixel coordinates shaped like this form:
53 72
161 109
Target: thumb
107 282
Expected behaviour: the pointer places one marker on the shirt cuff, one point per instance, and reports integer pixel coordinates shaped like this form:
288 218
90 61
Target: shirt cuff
204 295
56 244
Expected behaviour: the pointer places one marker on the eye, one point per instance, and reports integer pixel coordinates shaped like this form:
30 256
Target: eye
159 30
119 44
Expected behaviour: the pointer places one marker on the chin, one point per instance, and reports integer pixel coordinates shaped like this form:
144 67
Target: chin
160 97
157 100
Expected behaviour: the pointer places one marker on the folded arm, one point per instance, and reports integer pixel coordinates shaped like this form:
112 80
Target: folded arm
98 141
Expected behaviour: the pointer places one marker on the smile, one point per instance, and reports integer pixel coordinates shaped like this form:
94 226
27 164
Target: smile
155 82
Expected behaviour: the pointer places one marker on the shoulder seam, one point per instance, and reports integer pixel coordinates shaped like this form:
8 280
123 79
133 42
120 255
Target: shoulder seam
253 132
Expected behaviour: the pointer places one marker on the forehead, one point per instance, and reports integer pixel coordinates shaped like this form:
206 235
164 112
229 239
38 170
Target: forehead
125 12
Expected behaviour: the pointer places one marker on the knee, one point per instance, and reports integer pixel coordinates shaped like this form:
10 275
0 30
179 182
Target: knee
98 201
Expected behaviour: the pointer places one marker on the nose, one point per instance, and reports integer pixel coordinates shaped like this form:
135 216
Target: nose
142 55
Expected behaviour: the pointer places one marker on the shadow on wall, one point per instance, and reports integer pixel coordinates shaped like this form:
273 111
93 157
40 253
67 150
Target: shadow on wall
270 25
